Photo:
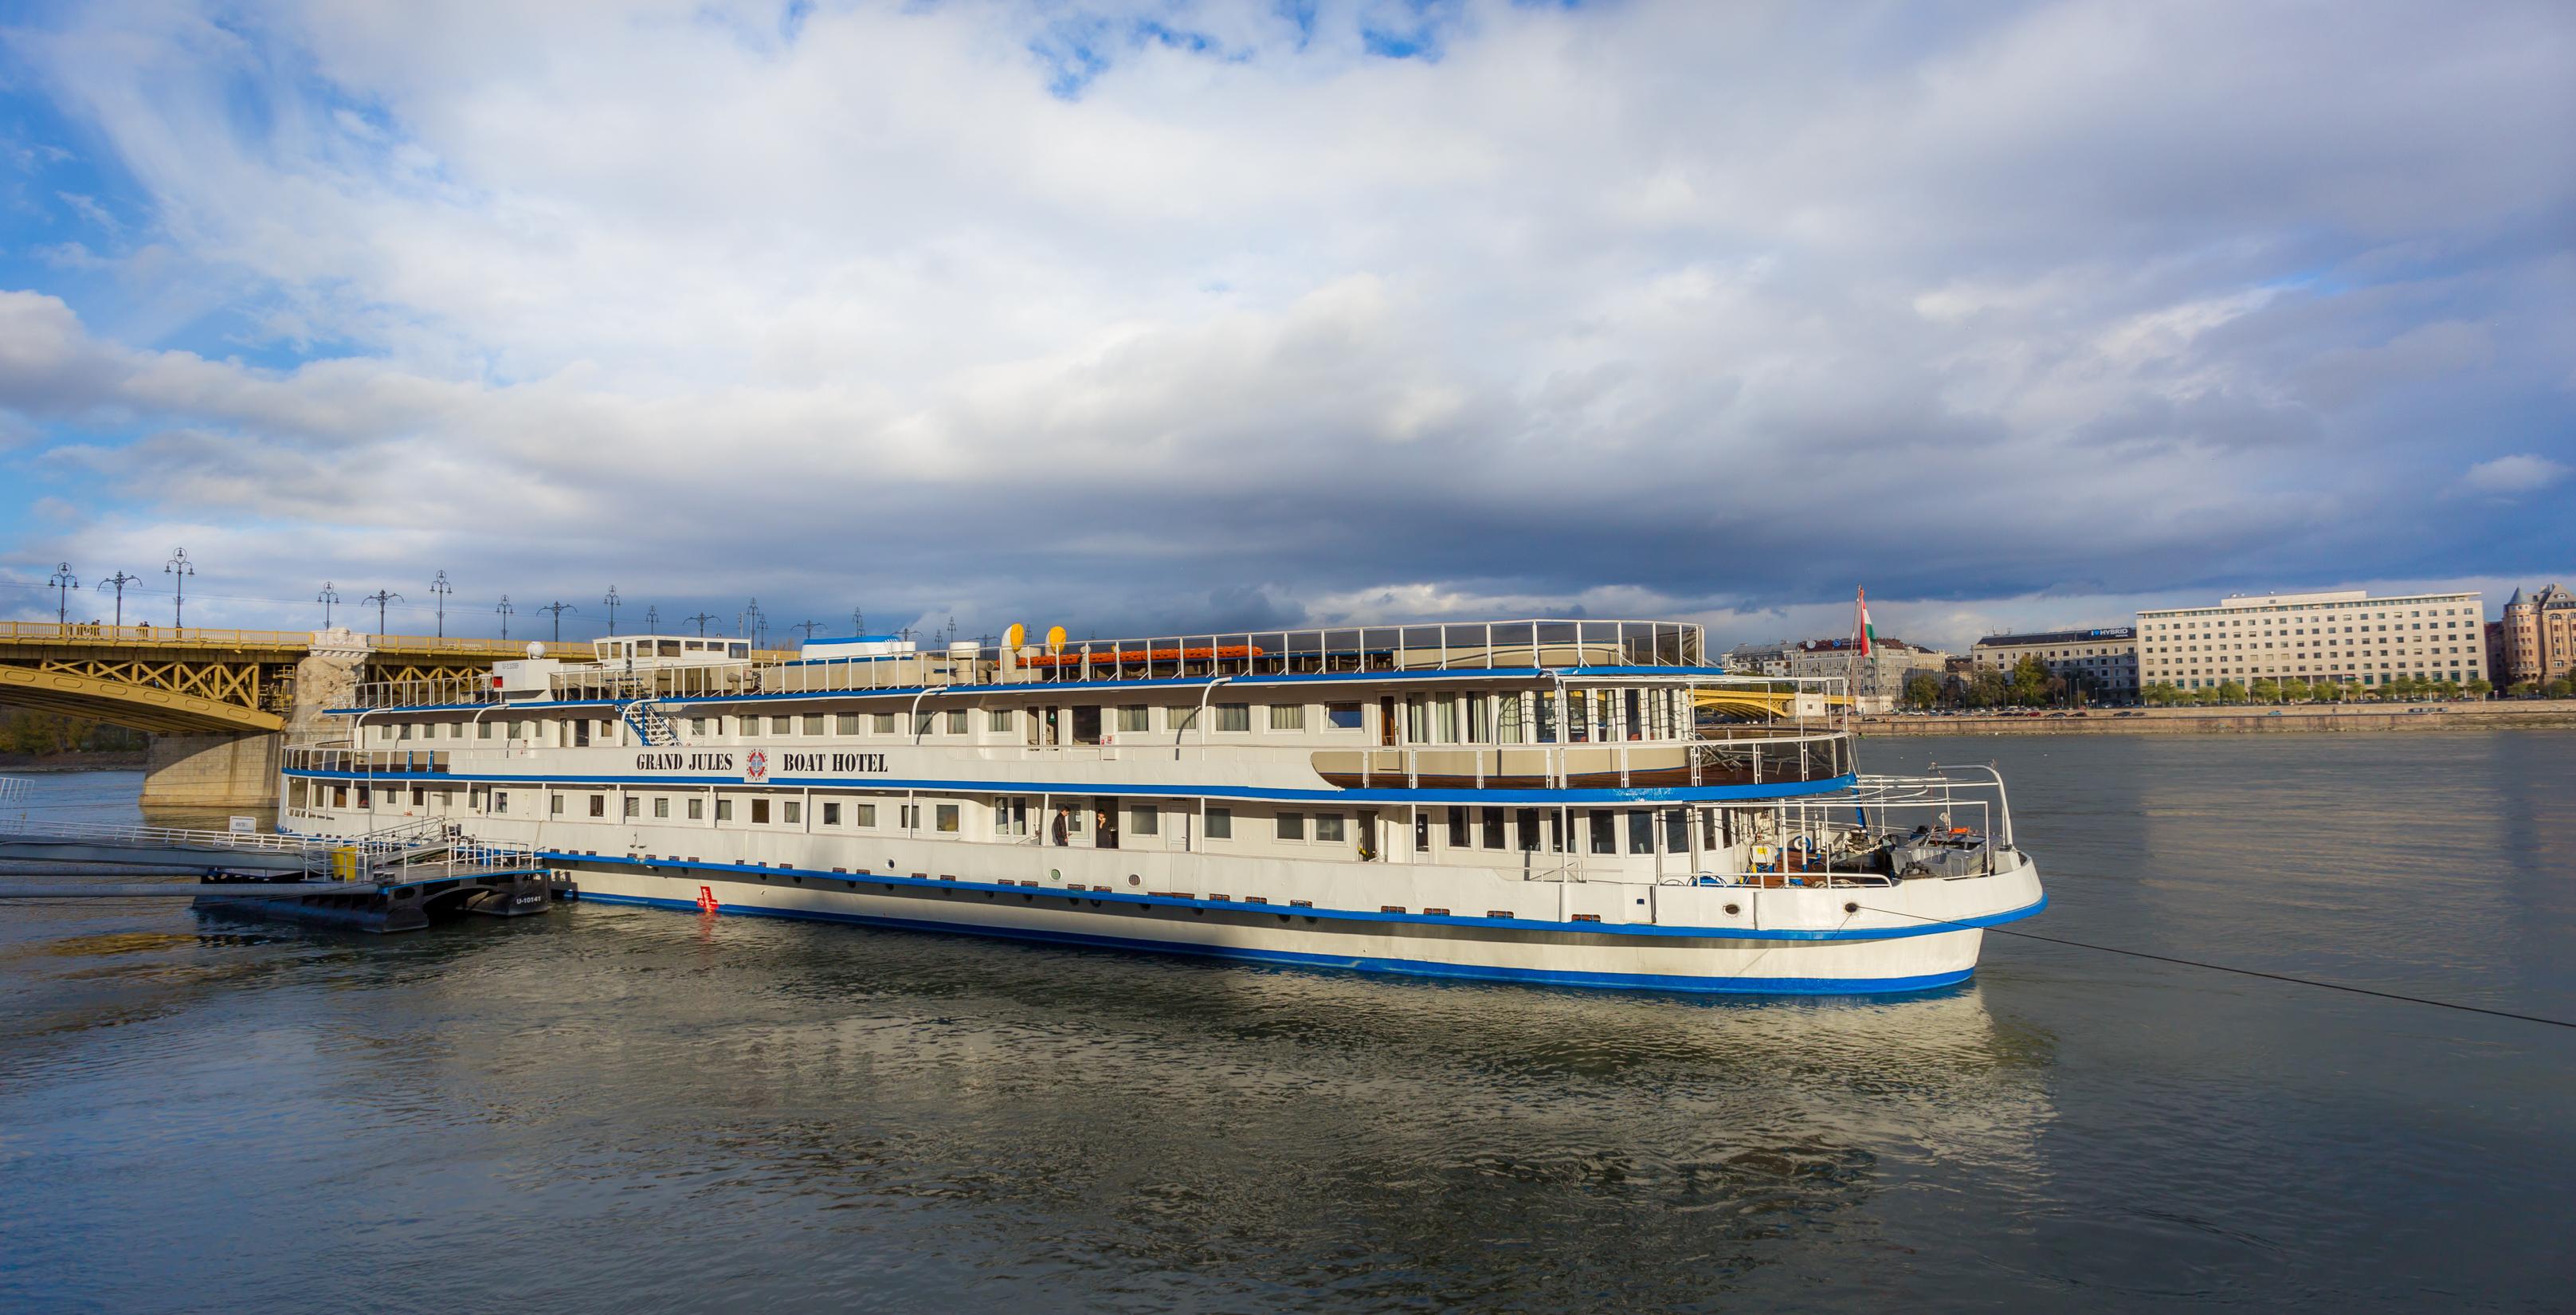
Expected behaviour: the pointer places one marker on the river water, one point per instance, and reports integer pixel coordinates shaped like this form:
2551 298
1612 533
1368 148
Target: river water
613 1109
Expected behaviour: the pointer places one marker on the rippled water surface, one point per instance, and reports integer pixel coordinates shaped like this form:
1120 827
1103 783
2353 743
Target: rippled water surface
631 1110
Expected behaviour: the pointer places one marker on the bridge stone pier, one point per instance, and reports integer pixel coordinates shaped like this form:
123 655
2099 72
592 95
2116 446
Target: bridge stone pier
218 704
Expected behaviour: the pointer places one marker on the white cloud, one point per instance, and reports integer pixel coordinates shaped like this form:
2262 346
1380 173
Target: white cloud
2515 475
1663 305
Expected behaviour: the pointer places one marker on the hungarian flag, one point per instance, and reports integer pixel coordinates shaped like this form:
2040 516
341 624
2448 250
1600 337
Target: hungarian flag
1863 634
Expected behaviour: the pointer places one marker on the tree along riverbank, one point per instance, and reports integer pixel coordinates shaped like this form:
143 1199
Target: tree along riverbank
2491 715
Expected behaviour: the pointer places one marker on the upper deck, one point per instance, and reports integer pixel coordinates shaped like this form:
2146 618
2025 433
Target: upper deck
1528 647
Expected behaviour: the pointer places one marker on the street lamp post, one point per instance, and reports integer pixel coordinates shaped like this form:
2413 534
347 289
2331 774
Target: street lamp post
858 622
179 569
612 600
505 610
380 598
440 589
120 580
652 618
327 597
63 584
558 607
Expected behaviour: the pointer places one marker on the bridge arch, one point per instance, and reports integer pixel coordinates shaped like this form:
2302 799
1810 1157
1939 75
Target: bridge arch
126 703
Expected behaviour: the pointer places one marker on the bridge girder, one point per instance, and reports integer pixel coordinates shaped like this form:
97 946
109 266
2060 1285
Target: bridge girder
175 706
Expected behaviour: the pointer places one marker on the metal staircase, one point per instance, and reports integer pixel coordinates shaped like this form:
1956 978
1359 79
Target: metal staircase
650 726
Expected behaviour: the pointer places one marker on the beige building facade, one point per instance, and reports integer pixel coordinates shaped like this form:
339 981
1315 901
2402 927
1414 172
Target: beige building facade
2104 660
2345 636
2536 641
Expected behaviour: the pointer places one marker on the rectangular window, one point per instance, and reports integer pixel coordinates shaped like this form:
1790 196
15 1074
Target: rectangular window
1292 826
814 724
1457 827
957 722
1526 819
1343 716
1641 832
1288 716
883 723
724 810
1220 824
1492 828
795 812
697 810
482 730
845 723
500 801
748 727
634 806
1329 826
1135 719
1234 716
908 816
999 719
1605 833
554 805
863 815
946 815
831 813
1144 821
697 725
759 812
782 725
922 722
661 806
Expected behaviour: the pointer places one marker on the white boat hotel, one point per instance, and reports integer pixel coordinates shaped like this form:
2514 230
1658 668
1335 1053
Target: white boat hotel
1577 802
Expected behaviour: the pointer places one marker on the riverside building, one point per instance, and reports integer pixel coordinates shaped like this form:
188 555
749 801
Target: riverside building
2346 636
2536 641
2103 661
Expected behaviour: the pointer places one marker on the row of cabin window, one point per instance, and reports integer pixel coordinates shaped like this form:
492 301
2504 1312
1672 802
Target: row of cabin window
1462 827
1601 714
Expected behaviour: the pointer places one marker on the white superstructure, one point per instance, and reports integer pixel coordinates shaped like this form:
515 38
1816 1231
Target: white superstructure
1584 802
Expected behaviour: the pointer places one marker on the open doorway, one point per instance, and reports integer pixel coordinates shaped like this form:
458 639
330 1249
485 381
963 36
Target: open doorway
1104 816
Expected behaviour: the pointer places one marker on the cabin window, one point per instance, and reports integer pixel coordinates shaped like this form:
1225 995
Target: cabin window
921 722
1288 716
794 813
697 810
599 805
403 731
634 806
1605 832
1527 820
1676 831
724 810
1292 826
747 727
782 725
864 815
661 806
1480 718
500 801
1144 821
1330 826
944 817
1508 725
882 723
958 722
1445 712
1457 826
1343 716
1421 832
1641 832
759 812
1220 824
999 719
737 650
482 730
1234 716
846 723
667 647
910 817
1135 719
1491 827
814 724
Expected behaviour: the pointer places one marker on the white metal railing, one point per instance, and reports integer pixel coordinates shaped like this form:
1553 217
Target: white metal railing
185 837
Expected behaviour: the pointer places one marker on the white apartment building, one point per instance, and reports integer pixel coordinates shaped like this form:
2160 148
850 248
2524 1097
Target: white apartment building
2343 636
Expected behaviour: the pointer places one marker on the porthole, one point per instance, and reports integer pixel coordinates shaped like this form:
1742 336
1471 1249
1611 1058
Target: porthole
1849 907
1134 880
1733 909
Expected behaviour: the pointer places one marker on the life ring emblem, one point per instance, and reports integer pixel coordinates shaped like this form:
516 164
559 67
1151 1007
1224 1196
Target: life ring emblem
755 765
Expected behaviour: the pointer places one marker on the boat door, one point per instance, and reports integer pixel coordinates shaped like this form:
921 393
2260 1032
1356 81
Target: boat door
581 734
1386 721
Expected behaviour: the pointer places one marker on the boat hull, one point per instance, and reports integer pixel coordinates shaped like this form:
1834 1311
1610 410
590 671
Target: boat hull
1798 961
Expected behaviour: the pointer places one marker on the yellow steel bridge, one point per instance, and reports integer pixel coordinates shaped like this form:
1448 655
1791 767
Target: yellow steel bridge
164 679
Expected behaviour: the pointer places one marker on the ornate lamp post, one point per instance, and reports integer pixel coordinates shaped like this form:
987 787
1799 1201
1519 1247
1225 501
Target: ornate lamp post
440 588
179 568
63 584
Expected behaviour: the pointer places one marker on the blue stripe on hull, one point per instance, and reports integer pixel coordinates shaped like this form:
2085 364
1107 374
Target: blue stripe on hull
1352 963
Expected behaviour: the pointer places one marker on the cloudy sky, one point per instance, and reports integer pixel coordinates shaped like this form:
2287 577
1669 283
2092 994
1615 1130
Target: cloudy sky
1141 316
